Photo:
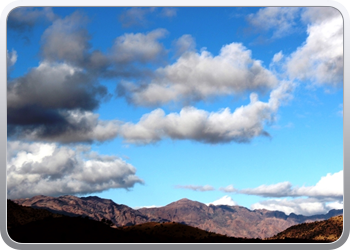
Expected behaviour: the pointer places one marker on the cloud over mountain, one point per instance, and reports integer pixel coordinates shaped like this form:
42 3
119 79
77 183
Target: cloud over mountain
330 186
309 206
50 169
225 200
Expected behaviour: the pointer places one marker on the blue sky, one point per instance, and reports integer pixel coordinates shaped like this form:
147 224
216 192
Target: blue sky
146 106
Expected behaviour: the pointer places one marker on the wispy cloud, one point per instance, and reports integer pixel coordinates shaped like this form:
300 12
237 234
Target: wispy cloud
281 20
228 189
329 186
196 188
307 207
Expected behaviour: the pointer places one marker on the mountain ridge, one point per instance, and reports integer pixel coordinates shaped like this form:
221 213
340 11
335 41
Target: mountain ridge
233 221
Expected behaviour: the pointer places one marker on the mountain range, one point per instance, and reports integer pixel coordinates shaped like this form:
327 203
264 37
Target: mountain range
233 221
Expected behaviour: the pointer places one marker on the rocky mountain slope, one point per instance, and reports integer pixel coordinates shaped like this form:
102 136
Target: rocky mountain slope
31 225
233 221
93 207
329 230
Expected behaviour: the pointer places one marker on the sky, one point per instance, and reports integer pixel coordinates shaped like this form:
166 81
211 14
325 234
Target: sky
146 106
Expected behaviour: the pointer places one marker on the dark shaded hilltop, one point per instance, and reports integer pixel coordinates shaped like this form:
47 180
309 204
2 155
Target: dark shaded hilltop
233 221
32 225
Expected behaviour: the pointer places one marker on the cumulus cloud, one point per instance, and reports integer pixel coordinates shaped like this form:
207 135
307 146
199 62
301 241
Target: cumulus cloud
320 58
281 20
329 186
198 76
24 18
55 85
139 47
67 41
226 200
307 207
51 100
49 169
76 126
196 188
224 126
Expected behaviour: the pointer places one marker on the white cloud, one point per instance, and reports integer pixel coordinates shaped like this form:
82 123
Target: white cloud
330 186
196 188
197 76
320 58
226 200
228 189
66 39
282 20
49 169
139 47
305 207
277 57
184 44
24 18
275 190
11 58
224 126
135 17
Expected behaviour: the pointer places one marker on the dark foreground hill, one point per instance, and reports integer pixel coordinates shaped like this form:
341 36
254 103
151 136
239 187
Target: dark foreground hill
233 221
329 230
50 228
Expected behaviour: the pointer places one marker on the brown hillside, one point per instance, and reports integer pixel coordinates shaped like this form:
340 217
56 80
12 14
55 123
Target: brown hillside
329 230
65 229
233 221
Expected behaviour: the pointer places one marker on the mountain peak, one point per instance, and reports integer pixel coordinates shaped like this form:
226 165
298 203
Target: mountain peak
184 200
